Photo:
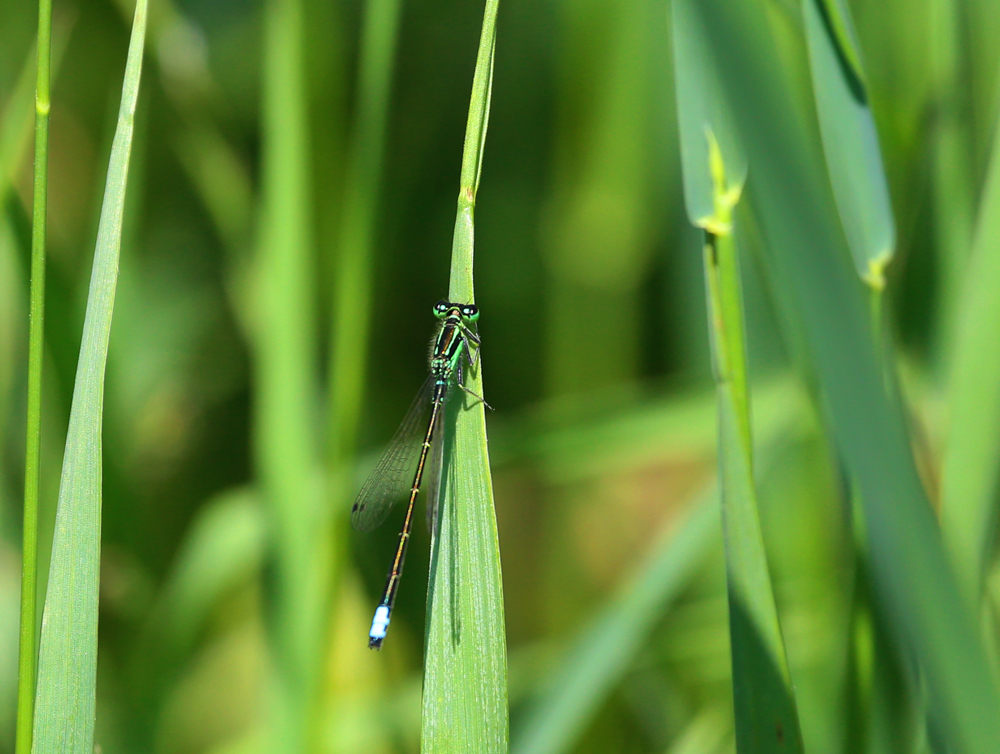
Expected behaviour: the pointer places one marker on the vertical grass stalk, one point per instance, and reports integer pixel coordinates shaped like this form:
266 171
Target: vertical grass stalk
67 662
465 660
766 718
28 648
285 349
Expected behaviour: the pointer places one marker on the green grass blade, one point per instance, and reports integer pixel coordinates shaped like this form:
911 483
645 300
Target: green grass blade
465 658
285 348
971 467
914 583
954 170
67 665
27 649
766 717
850 141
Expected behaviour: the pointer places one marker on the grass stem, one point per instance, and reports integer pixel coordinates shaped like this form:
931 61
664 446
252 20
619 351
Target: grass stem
28 649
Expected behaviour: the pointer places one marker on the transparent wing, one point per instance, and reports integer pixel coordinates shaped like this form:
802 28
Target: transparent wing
392 477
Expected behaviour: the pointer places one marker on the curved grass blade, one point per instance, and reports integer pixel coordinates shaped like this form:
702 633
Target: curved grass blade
392 477
465 656
67 664
850 140
971 469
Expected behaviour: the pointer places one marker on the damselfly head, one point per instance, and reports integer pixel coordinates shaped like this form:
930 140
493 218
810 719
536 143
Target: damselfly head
468 312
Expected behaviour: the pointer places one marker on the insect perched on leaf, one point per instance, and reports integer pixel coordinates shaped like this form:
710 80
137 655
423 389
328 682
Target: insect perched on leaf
455 345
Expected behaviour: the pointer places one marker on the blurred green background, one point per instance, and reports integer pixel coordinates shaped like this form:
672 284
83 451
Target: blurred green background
595 353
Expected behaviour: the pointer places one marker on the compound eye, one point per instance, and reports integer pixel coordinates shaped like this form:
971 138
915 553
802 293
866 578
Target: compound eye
470 312
441 308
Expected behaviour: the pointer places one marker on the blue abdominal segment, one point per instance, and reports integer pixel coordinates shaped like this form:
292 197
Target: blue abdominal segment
379 625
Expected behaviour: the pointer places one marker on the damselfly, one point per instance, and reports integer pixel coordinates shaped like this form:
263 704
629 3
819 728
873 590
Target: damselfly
391 482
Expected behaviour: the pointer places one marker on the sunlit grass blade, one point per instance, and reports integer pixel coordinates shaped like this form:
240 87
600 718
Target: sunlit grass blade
67 666
853 157
766 716
971 468
806 263
285 352
465 656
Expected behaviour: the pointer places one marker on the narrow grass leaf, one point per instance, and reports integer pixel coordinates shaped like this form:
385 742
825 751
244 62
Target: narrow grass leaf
67 666
948 141
807 264
850 140
285 353
971 467
465 657
766 716
28 648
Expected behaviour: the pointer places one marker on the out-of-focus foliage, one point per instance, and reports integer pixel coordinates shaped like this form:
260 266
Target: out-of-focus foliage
595 352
